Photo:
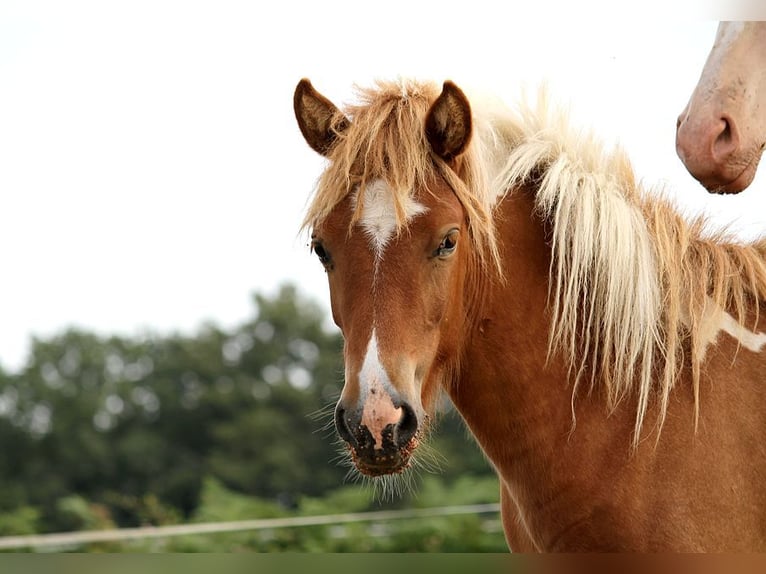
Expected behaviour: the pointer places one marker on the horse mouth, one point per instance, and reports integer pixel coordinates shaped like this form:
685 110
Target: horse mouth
740 181
388 460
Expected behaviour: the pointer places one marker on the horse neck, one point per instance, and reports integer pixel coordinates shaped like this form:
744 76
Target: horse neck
514 397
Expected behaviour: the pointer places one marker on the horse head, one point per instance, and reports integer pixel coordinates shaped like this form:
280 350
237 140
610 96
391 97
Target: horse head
391 235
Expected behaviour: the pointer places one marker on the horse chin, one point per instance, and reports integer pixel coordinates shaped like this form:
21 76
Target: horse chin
738 182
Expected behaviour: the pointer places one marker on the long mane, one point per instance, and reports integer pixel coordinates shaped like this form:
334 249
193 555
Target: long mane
631 280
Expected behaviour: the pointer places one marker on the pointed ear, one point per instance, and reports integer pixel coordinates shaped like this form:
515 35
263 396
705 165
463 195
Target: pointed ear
318 118
448 124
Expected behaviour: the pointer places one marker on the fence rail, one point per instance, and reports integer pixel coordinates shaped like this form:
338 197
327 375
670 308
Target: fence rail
64 539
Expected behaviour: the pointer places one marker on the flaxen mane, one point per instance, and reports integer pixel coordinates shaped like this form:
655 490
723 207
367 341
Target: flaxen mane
386 141
631 280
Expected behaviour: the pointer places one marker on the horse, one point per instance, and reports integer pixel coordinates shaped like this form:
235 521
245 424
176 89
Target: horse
606 353
721 133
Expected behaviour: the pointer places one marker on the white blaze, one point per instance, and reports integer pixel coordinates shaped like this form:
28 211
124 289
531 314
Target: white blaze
375 392
378 221
373 374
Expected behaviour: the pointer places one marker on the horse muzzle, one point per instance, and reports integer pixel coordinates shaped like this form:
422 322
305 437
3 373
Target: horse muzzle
381 440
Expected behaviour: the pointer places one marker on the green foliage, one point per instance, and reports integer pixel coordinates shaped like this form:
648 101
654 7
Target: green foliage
20 520
219 504
465 489
101 432
467 533
76 513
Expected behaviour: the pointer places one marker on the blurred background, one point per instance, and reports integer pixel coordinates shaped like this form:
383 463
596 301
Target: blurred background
166 352
222 425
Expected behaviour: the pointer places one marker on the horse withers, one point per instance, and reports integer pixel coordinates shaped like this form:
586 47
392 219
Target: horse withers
606 354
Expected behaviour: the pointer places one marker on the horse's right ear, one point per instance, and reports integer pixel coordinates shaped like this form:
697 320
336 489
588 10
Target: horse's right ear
448 123
318 118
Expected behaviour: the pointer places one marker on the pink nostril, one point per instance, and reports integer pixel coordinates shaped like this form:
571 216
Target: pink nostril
726 142
708 142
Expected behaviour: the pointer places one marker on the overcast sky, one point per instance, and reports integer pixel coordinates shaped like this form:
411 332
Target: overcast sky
152 176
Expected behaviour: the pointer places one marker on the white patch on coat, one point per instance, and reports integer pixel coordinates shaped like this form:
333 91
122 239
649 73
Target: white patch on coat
378 217
715 320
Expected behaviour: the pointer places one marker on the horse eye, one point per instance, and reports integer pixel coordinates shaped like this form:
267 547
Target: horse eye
321 252
448 244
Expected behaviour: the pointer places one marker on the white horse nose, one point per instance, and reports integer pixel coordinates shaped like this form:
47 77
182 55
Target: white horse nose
707 147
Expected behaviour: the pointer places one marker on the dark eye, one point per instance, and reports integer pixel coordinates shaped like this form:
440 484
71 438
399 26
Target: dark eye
448 244
321 252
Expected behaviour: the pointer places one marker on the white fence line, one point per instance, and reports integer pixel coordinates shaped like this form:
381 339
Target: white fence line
144 532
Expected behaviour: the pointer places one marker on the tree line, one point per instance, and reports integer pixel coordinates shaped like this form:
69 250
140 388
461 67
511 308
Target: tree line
114 431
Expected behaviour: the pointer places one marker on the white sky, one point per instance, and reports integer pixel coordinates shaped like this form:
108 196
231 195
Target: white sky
152 175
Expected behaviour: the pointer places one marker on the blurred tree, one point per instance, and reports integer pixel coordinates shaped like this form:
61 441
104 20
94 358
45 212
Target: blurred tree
294 366
101 430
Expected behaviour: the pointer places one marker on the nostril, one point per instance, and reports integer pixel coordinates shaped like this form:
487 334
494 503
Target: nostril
342 425
407 426
726 132
726 141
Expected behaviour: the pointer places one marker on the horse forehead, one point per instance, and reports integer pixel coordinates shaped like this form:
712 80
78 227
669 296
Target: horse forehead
378 219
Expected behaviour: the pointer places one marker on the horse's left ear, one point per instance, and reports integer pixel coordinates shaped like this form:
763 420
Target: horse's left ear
448 124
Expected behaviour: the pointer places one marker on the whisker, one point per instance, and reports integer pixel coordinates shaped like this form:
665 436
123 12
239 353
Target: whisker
326 416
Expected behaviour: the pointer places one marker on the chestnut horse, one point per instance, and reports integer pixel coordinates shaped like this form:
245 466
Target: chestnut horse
606 354
721 133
